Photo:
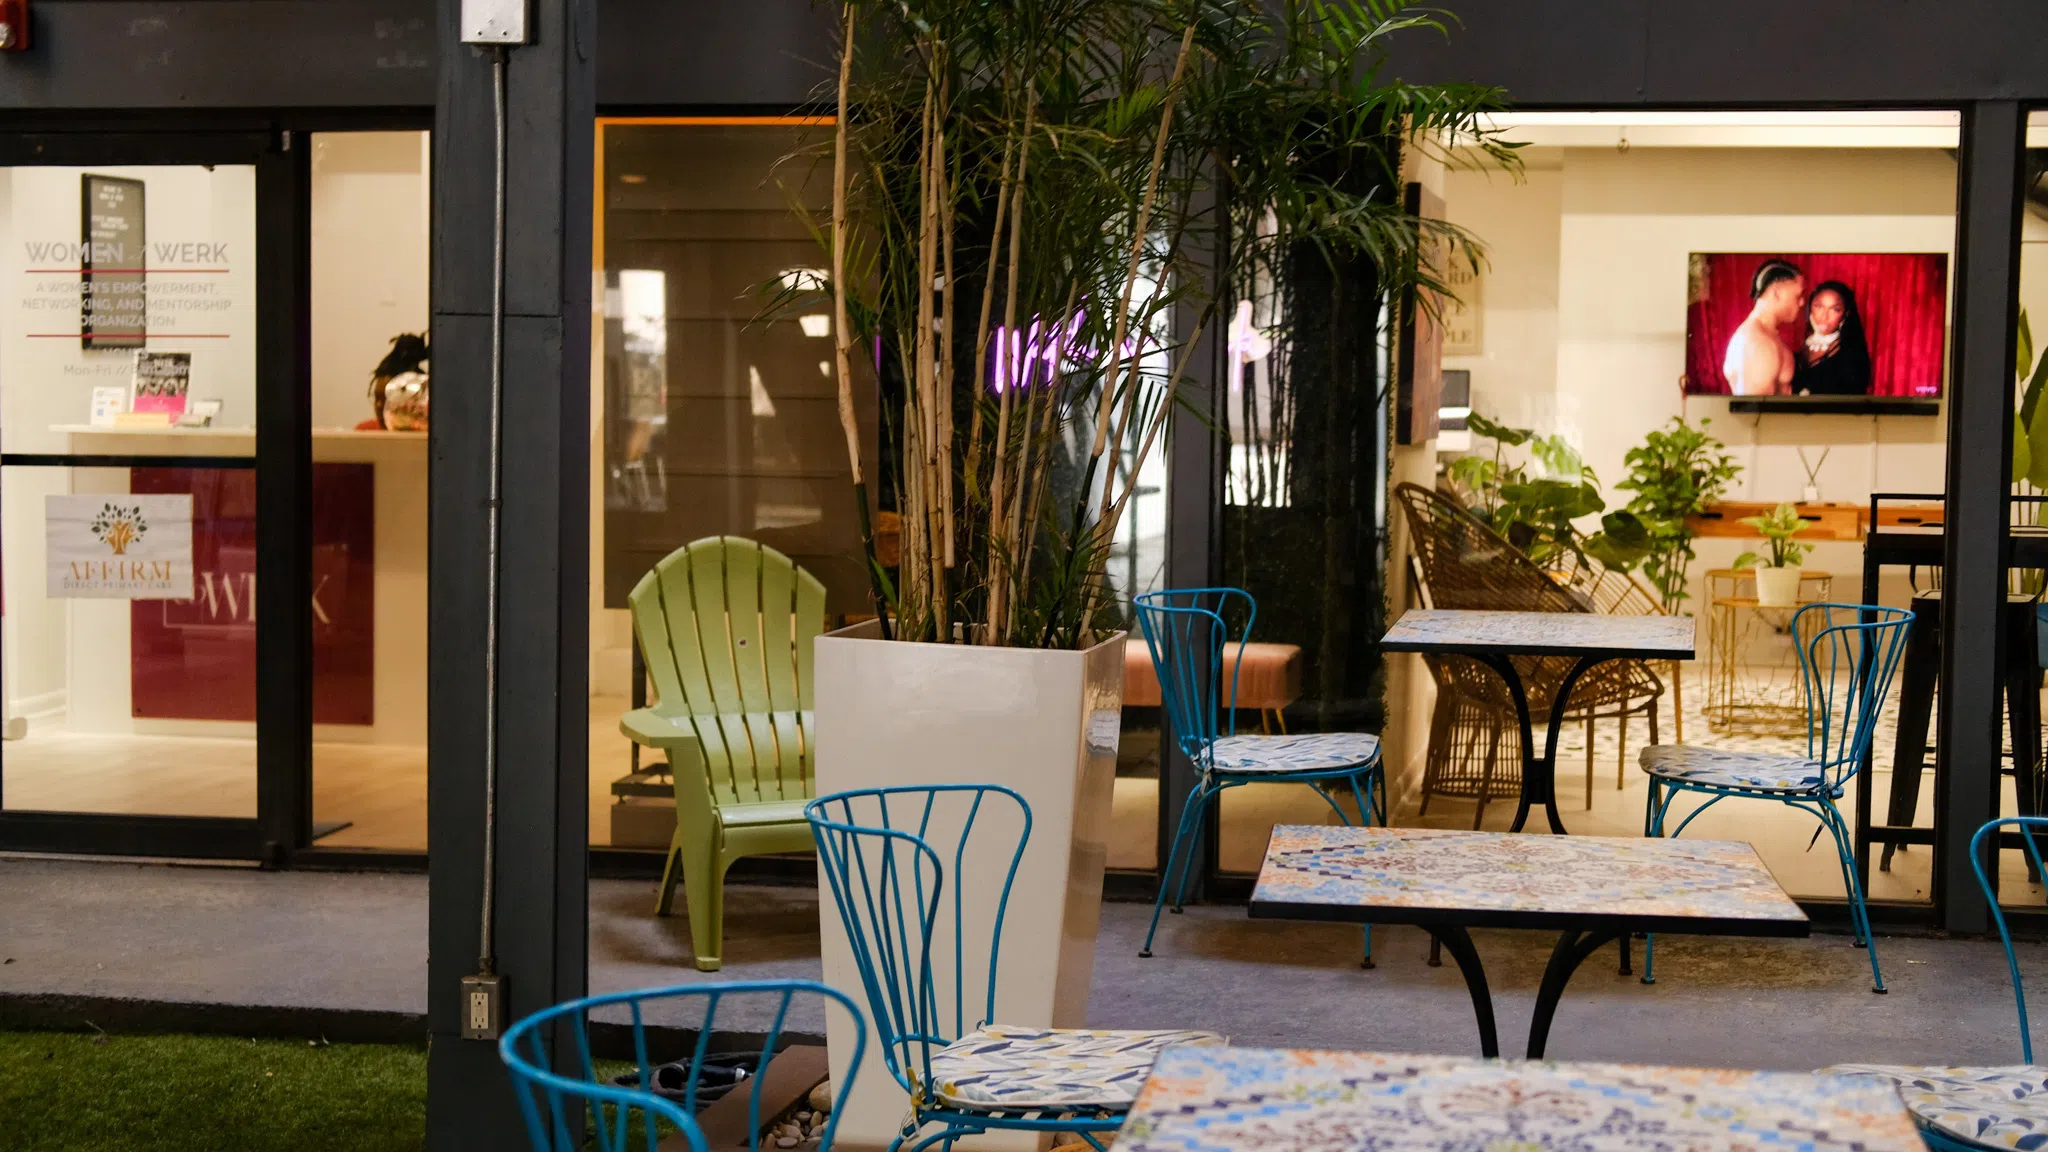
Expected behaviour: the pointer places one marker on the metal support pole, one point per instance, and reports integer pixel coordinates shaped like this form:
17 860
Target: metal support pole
541 916
1979 458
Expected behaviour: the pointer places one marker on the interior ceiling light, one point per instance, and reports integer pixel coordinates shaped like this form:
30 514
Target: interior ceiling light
804 280
632 178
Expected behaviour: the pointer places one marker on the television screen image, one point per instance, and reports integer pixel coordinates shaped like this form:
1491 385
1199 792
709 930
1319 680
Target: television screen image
1816 324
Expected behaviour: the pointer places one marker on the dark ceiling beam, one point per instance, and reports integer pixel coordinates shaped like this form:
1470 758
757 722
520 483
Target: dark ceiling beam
770 55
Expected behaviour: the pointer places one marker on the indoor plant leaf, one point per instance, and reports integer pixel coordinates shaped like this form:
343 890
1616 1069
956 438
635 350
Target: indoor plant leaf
1481 426
2030 399
2022 452
2037 447
2023 354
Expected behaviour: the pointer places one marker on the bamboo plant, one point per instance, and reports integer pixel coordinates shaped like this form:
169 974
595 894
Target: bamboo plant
1038 208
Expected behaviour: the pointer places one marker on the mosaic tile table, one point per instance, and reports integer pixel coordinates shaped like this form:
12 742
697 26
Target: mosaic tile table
1592 890
1589 637
1225 1099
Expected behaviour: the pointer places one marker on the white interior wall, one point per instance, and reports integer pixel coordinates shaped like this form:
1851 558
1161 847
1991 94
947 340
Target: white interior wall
1410 690
369 254
1611 230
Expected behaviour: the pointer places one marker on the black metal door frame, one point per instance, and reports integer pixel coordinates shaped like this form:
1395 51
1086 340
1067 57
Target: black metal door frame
283 467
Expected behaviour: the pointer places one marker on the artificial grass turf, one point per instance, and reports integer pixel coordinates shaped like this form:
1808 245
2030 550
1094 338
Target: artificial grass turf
69 1092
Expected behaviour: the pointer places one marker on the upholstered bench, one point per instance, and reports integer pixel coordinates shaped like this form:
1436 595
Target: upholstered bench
1269 680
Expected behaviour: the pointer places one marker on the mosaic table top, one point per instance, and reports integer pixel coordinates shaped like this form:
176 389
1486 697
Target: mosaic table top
1504 880
1224 1099
1471 632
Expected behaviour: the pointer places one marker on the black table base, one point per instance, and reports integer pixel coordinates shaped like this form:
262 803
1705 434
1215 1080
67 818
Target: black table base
1539 773
1573 947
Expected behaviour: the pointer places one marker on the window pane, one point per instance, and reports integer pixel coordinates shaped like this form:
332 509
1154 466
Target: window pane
129 301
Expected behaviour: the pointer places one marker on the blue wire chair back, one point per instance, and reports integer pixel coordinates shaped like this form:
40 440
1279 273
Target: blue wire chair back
2032 826
899 863
1185 632
1848 654
554 1094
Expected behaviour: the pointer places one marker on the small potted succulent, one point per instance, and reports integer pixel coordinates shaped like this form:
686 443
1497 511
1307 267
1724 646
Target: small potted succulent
1777 583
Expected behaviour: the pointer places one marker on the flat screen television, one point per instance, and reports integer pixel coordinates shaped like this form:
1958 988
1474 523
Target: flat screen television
1818 330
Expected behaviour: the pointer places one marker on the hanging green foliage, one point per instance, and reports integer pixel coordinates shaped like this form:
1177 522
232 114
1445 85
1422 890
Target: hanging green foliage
1025 230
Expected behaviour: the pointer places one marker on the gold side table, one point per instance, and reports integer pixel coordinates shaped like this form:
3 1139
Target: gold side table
1752 665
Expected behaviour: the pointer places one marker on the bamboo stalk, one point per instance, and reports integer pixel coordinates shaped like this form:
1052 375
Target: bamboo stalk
947 431
842 335
999 572
1031 517
1025 509
918 407
936 458
988 296
1144 222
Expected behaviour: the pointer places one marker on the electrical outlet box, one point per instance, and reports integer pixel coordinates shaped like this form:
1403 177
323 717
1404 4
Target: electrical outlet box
483 1007
494 21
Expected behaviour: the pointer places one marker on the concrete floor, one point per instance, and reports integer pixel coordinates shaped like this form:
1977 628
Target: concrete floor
312 944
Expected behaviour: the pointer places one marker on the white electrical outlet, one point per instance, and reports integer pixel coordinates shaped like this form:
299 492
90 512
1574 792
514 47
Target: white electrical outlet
483 1007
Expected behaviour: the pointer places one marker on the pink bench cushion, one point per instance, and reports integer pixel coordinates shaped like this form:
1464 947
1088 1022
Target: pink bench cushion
1271 677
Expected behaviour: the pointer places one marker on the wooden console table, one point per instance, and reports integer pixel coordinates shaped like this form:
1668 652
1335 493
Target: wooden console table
1826 521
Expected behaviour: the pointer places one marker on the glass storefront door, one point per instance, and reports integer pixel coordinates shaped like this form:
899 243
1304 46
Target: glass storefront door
131 392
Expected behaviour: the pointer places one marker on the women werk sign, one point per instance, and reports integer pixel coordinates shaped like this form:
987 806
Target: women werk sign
118 546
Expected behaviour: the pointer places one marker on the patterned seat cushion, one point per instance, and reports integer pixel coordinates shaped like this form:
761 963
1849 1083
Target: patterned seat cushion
1758 771
1987 1107
1069 1069
1317 752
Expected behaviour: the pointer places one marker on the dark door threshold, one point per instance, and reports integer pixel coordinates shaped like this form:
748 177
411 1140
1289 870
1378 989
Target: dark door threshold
56 1012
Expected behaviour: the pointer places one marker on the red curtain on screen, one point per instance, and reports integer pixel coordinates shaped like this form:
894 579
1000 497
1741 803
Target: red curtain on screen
1903 297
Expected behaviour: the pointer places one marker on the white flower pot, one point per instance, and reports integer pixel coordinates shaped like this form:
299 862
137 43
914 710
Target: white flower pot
1044 723
1777 587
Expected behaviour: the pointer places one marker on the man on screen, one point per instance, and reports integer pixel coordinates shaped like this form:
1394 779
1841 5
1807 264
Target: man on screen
1757 362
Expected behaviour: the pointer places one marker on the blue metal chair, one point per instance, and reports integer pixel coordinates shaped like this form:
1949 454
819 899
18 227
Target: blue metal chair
1848 654
1185 630
1972 1109
554 1094
921 878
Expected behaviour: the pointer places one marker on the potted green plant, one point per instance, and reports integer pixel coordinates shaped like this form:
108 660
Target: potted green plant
1675 474
1026 244
1777 583
1534 503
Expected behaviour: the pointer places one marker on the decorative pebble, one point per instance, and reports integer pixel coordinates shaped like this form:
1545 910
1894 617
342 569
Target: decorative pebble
821 1097
787 1141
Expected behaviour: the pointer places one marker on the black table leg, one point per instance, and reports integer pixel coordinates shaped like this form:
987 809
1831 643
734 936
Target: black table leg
1867 783
1459 943
1539 773
1571 951
1916 708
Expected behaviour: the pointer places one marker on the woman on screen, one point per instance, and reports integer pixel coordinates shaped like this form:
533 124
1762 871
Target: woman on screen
1835 359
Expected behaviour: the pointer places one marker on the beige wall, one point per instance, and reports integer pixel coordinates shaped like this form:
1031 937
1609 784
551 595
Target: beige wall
1583 311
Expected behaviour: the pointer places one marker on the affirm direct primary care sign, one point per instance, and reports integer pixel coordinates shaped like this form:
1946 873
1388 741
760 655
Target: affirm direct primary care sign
119 546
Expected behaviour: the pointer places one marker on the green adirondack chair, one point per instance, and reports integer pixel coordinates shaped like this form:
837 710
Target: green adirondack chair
727 629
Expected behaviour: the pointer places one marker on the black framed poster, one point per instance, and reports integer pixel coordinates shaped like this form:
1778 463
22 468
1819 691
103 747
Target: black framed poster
113 305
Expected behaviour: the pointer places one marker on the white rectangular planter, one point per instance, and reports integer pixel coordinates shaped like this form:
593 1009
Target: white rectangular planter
1044 723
